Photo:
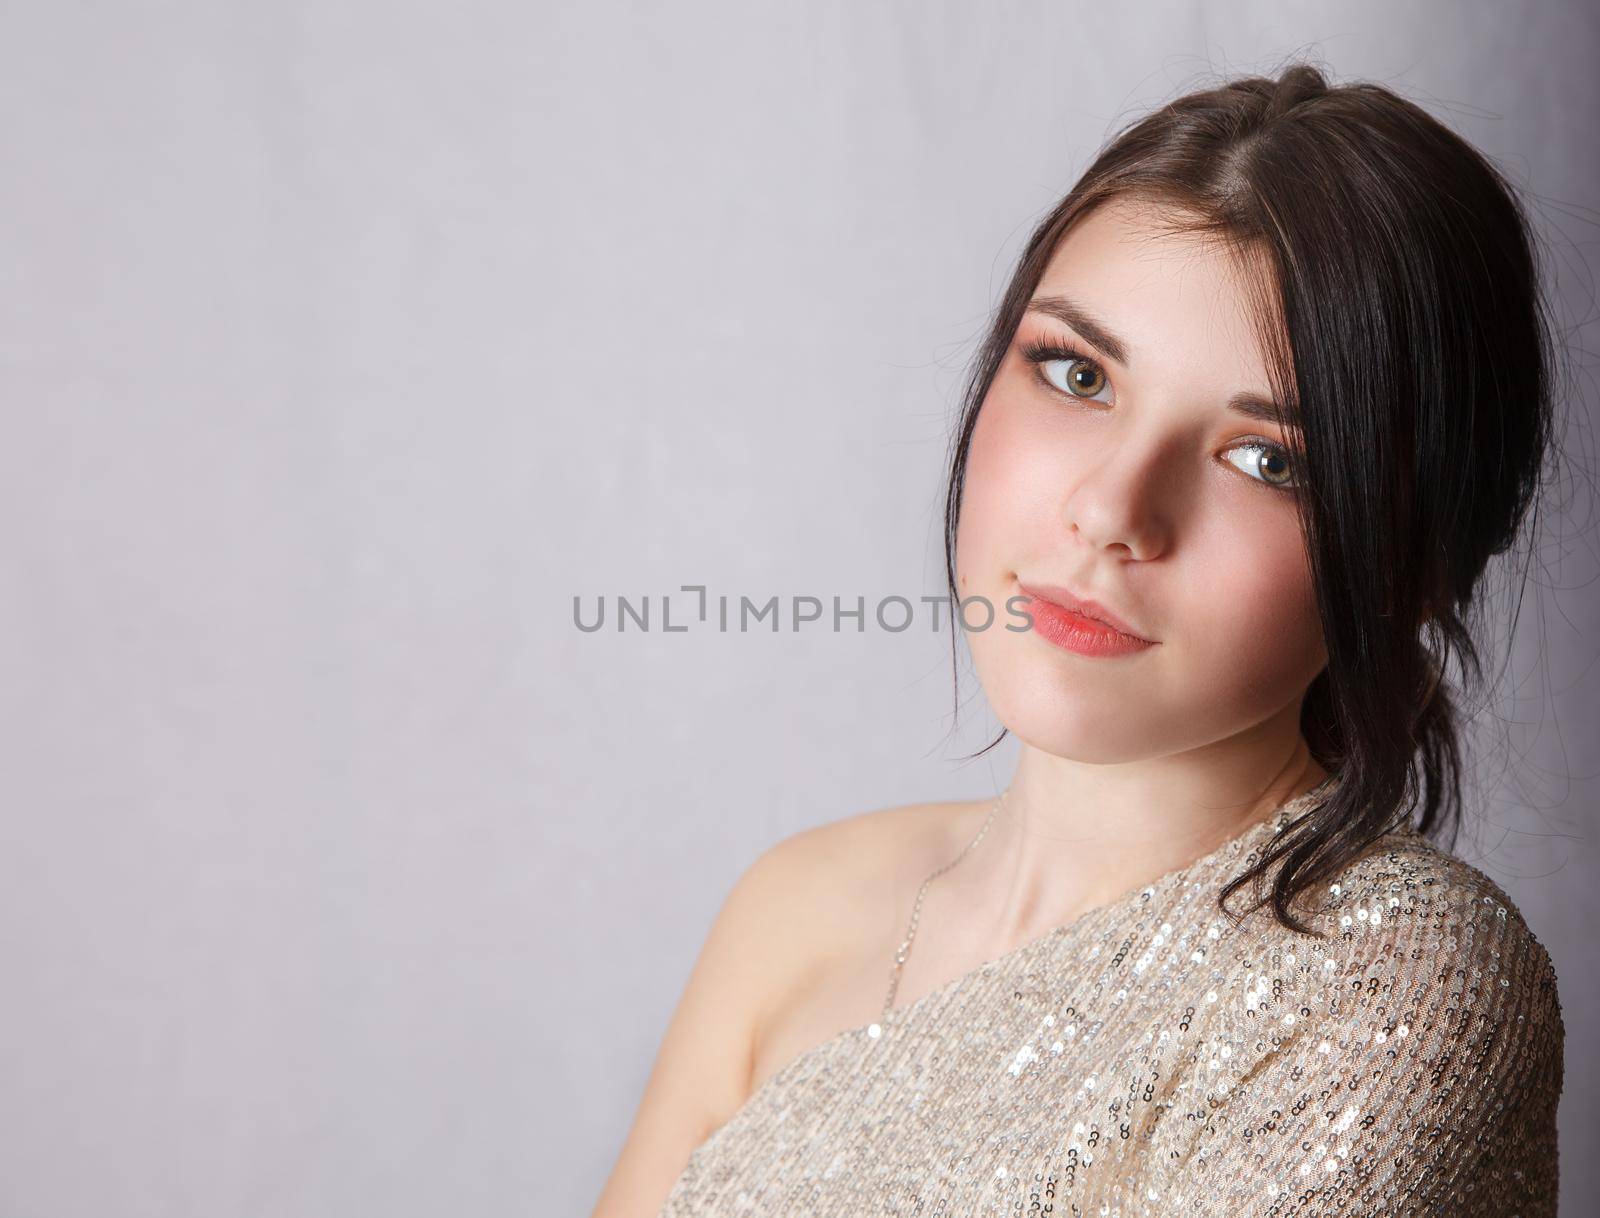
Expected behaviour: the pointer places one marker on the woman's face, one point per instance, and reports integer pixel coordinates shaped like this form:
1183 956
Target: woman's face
1125 478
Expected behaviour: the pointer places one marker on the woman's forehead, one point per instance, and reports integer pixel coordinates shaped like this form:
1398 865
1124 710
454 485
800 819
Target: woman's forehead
1133 243
1145 298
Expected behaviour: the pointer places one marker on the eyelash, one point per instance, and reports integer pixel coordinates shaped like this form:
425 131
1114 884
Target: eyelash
1038 352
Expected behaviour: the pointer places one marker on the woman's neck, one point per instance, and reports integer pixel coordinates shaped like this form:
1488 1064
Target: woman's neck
1071 837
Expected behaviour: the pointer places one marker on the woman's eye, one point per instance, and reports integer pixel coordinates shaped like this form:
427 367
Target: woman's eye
1067 370
1082 378
1268 463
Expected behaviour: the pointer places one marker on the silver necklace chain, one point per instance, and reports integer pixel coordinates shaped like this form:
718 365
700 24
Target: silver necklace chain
901 955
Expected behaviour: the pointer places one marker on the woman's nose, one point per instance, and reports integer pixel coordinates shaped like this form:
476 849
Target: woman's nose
1125 499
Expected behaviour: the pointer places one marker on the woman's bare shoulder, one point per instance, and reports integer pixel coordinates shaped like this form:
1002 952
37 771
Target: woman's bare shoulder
843 888
792 914
872 849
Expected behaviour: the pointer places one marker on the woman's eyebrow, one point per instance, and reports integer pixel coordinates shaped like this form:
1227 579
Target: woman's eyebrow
1065 309
1263 410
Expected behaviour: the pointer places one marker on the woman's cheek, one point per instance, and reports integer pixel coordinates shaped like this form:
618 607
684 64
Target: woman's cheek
1255 632
1007 506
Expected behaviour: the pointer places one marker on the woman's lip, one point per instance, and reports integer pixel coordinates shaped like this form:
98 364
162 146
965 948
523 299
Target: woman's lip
1084 608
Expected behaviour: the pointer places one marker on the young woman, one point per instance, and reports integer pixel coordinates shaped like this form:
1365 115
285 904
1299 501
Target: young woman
1267 391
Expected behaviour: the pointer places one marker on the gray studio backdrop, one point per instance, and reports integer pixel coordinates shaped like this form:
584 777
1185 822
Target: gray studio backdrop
343 345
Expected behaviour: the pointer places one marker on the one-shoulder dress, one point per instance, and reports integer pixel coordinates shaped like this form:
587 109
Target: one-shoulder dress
1152 1057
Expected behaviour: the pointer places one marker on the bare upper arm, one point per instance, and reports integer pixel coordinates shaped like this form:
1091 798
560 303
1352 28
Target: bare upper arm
702 1070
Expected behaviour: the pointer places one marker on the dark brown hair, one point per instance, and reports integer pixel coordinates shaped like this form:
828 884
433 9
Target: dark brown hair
1407 332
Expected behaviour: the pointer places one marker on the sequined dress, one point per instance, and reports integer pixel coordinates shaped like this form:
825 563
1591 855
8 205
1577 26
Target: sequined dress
1153 1058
